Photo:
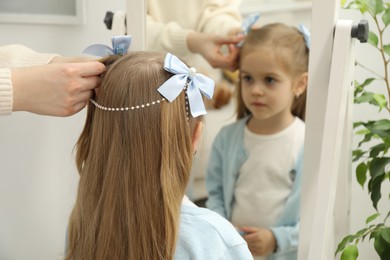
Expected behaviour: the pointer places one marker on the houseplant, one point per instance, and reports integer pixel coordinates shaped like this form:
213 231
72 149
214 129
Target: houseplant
372 155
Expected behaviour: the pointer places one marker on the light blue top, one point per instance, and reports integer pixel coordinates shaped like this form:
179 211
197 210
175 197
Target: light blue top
206 235
227 156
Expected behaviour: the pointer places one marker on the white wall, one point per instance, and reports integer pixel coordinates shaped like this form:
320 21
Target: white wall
38 179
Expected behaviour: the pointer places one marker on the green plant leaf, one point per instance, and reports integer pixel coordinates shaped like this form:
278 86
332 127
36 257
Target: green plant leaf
374 234
366 138
361 171
362 5
343 243
379 128
351 252
375 99
373 39
356 154
377 166
356 124
374 186
386 16
367 82
382 124
343 2
379 244
386 253
386 48
385 234
372 218
358 235
383 134
375 7
380 100
387 143
375 150
366 97
362 132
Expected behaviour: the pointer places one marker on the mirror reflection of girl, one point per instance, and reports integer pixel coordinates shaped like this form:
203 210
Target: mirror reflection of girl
134 158
253 176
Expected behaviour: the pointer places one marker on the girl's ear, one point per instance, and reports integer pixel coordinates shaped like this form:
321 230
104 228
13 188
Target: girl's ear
196 135
300 84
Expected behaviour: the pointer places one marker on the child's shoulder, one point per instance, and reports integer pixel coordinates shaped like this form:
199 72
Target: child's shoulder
234 127
206 226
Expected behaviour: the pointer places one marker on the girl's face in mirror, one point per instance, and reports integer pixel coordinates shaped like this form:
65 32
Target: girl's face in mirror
267 89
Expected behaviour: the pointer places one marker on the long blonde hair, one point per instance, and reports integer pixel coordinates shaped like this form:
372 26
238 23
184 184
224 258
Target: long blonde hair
293 53
134 166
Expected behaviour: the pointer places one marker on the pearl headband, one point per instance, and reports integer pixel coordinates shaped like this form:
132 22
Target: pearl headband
194 84
126 108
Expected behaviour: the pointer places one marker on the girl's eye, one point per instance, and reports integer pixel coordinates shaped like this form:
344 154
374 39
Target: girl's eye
270 80
246 78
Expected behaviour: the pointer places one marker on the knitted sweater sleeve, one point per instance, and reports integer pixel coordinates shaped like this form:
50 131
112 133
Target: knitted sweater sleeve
5 92
220 16
14 56
212 16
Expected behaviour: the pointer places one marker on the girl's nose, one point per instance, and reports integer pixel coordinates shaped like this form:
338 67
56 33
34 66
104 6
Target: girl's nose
258 90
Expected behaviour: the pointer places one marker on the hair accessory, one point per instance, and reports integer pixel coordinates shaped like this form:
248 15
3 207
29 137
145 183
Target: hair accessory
247 24
194 84
120 45
126 108
306 34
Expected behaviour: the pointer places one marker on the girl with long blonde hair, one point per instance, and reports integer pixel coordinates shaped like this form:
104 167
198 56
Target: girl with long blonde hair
134 157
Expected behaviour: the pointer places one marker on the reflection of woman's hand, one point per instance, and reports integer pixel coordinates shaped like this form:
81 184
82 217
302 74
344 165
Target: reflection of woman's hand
261 241
209 46
60 89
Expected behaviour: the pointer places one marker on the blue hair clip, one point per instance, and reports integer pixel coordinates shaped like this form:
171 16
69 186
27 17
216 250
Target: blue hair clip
247 24
306 34
186 78
120 45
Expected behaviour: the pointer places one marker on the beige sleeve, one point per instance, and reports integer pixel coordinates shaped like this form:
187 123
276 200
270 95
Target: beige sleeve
169 37
5 92
168 24
220 16
13 56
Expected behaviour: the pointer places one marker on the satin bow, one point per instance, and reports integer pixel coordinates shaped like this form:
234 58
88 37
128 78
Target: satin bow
247 24
120 45
306 34
198 84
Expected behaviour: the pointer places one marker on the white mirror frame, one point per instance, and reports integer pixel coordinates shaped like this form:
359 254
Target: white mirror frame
78 18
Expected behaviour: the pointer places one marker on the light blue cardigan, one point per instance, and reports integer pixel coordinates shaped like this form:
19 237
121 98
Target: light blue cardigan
227 156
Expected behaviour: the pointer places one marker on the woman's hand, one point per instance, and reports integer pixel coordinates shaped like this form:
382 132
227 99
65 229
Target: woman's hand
210 47
58 89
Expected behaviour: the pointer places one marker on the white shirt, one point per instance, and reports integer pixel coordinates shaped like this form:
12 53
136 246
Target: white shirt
266 178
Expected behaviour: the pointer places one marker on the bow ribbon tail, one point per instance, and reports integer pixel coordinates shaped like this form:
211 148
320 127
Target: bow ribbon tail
306 34
172 87
249 21
195 101
120 45
199 85
99 50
